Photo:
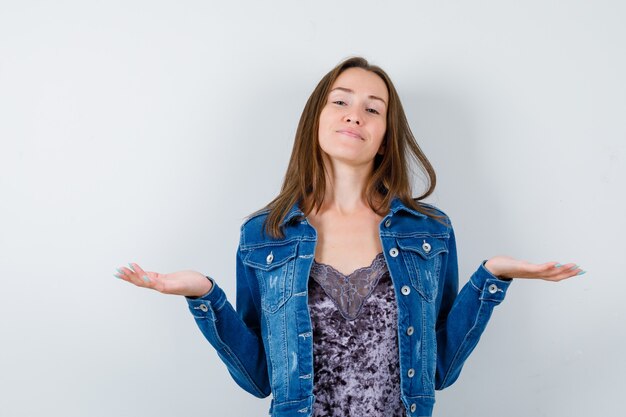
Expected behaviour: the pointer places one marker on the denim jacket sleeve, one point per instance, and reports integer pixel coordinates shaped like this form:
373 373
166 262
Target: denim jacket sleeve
462 317
236 335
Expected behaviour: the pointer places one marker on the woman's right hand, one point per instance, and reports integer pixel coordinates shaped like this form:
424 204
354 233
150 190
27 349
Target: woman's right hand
187 283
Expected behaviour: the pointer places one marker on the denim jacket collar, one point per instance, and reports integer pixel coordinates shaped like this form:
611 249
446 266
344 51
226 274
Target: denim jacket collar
396 205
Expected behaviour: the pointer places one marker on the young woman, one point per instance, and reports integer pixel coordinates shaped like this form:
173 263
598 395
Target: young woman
347 287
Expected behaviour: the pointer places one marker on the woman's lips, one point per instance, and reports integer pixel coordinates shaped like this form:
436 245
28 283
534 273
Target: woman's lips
351 134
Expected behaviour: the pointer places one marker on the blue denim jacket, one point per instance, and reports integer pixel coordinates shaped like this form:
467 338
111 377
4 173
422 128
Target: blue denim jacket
267 342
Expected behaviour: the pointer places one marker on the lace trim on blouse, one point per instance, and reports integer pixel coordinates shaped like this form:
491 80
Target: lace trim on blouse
349 292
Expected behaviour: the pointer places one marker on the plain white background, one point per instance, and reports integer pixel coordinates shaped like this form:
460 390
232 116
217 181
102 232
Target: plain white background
145 131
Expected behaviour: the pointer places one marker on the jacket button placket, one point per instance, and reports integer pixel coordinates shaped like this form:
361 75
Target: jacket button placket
406 290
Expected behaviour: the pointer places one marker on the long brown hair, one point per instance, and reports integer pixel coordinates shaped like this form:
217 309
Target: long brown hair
305 179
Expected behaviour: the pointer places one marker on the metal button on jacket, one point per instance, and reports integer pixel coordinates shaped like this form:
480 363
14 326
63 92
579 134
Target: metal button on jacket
493 288
204 308
413 407
405 290
410 330
387 222
426 247
393 252
411 373
269 258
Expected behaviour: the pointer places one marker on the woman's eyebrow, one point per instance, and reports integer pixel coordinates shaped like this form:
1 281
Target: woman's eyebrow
347 90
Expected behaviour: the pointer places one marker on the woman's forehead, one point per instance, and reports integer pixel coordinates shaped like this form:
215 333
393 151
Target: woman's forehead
361 81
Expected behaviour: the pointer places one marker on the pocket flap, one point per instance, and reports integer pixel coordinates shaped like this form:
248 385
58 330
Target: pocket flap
272 256
426 246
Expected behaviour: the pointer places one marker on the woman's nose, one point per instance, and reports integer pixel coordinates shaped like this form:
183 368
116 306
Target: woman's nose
353 118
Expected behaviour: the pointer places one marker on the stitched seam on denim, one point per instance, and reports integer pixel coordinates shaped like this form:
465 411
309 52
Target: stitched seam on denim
233 357
462 344
308 398
309 333
222 302
423 351
415 234
285 352
235 361
474 285
401 343
436 276
263 244
270 351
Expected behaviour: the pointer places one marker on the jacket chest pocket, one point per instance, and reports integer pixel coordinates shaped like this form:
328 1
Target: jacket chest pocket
423 257
274 266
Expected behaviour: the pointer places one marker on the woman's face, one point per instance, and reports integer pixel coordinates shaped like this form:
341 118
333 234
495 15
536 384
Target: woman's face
354 120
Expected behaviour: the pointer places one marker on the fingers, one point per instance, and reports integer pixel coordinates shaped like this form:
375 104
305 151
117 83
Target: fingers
549 271
560 272
134 274
141 273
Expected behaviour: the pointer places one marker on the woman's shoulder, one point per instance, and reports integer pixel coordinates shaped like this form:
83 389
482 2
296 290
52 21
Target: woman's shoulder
430 207
255 221
433 212
254 229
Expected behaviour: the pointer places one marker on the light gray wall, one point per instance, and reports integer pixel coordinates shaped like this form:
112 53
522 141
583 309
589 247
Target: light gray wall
145 131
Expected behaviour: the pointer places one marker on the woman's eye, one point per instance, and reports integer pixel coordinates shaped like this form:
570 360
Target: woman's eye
342 103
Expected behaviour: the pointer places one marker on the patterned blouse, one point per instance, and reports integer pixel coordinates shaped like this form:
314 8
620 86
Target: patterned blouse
355 342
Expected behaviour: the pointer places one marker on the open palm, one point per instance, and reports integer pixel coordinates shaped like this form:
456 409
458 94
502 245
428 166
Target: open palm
187 283
508 267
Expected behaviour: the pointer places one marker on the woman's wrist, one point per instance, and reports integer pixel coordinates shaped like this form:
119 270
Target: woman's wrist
489 266
202 288
207 287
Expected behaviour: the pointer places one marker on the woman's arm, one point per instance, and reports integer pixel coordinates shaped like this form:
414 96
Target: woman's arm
462 317
235 335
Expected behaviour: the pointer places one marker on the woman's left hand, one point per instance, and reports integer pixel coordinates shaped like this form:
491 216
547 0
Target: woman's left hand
507 267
